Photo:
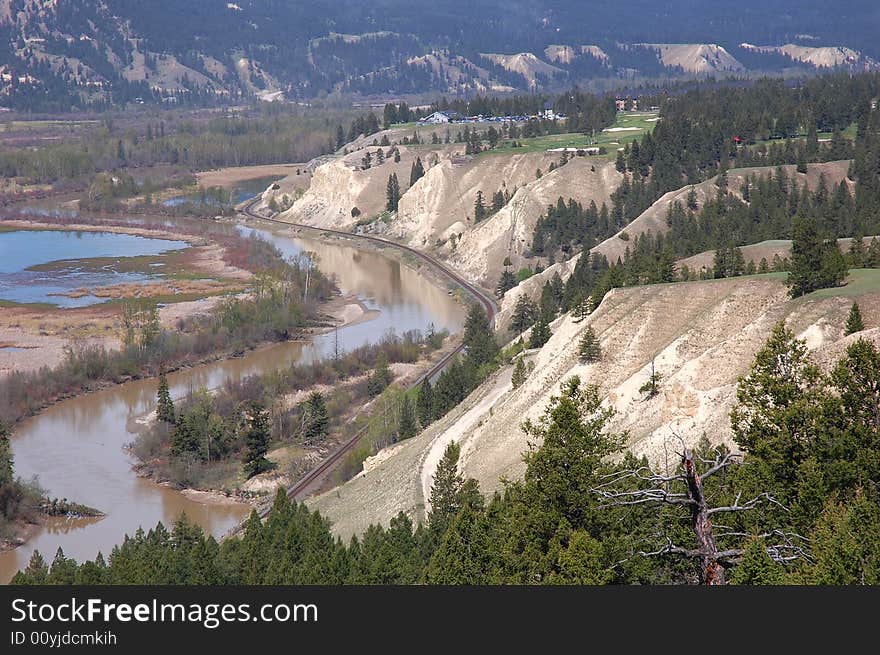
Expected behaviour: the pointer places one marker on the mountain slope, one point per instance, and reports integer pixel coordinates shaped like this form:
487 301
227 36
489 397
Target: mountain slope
702 336
63 53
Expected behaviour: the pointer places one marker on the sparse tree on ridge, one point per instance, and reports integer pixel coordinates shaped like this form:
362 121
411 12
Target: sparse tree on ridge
589 348
652 387
519 373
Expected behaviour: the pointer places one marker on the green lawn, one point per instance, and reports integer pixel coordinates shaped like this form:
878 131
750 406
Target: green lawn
636 122
859 282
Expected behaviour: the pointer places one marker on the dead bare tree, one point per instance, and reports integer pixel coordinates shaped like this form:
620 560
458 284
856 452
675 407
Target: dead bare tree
685 488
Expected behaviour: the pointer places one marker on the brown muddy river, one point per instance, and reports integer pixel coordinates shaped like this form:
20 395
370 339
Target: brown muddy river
76 448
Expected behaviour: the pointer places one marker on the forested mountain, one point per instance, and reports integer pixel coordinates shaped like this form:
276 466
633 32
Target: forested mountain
67 53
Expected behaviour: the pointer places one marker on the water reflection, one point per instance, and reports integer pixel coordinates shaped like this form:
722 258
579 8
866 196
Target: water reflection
77 447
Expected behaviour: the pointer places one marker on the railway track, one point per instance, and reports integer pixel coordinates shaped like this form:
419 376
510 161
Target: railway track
319 473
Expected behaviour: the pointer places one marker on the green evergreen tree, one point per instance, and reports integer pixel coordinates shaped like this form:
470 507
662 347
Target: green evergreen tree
757 567
520 374
464 554
380 378
389 115
652 387
446 491
815 264
582 562
524 314
564 469
779 413
589 348
417 172
479 208
257 441
507 282
540 333
425 403
36 572
164 405
392 192
846 544
854 322
316 421
407 425
479 338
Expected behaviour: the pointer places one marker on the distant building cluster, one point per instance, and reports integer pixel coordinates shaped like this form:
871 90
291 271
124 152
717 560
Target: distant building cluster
440 117
631 104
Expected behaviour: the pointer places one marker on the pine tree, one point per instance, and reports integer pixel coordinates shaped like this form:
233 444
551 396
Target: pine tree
417 172
445 492
524 315
815 264
164 405
720 263
757 568
519 373
257 441
776 402
540 333
380 378
506 283
407 425
316 420
425 403
854 322
340 137
652 387
392 193
389 115
479 208
479 338
36 573
589 348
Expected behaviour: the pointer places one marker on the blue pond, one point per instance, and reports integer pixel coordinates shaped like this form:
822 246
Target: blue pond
21 250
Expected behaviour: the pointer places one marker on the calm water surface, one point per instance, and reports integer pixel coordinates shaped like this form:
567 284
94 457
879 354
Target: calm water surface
76 448
21 250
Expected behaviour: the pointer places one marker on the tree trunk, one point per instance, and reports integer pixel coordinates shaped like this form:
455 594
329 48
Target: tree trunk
711 572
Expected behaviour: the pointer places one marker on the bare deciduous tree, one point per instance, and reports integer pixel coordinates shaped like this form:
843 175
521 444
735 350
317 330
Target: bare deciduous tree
685 488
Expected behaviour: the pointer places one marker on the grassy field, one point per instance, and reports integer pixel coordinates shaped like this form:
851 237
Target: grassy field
848 133
859 282
630 125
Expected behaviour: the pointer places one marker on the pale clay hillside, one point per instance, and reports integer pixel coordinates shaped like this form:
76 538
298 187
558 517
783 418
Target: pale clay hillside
702 336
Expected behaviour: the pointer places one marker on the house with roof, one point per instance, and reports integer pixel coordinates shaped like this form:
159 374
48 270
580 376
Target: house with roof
441 117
